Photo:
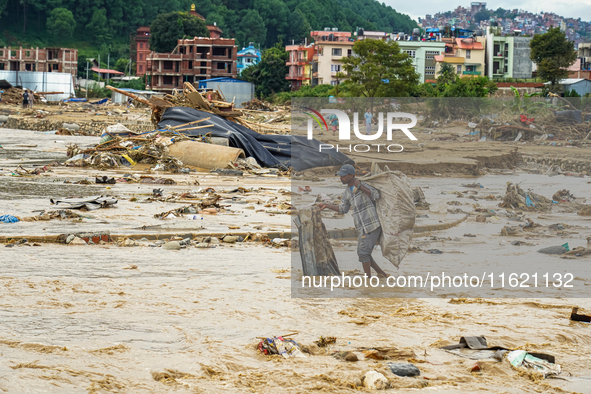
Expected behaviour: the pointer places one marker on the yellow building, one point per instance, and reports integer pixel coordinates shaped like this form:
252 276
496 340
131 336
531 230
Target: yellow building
331 47
467 55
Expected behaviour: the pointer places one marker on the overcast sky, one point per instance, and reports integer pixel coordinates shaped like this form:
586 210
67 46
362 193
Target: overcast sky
575 8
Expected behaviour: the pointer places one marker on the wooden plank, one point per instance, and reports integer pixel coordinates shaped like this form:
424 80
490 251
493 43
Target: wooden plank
197 100
158 102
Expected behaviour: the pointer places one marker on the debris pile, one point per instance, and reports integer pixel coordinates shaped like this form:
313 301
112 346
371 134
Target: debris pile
563 196
516 198
280 345
211 101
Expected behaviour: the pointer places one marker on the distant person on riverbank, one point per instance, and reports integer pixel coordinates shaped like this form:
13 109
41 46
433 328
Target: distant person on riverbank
368 118
26 98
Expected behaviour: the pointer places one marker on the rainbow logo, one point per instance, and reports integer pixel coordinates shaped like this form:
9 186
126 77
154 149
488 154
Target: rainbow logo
316 117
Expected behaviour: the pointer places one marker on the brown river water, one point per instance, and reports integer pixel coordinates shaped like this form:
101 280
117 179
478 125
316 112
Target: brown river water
79 319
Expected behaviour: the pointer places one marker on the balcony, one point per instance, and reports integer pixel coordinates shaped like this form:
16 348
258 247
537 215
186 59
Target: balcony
296 76
471 73
498 54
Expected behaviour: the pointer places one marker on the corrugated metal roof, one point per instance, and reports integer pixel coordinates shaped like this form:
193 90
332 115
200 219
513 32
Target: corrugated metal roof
569 81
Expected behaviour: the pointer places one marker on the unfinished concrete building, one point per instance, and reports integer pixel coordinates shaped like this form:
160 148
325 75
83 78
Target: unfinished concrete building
63 60
191 61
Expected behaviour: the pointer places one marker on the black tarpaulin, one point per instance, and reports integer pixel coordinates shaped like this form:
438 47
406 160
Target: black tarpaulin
269 150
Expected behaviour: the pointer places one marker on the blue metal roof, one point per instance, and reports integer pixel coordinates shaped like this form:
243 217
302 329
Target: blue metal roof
222 79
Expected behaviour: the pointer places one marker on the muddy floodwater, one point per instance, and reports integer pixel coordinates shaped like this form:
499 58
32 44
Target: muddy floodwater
111 319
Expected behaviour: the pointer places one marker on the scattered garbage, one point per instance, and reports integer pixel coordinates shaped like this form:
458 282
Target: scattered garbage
105 180
8 219
516 198
563 196
280 345
523 359
87 203
325 341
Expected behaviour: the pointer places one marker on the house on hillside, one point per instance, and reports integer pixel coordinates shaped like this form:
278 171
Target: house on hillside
247 57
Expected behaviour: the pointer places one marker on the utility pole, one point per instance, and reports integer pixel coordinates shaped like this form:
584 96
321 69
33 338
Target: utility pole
99 69
86 82
108 65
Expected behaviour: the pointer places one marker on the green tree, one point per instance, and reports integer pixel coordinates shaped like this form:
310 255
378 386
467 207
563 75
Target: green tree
482 16
122 65
552 53
470 87
374 62
268 75
167 29
61 23
446 74
98 27
252 29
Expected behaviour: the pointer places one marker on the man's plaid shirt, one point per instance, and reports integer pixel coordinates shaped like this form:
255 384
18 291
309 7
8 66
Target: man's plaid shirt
365 215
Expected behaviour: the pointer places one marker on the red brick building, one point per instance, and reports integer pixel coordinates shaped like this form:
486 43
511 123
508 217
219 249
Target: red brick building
63 60
141 46
193 60
141 50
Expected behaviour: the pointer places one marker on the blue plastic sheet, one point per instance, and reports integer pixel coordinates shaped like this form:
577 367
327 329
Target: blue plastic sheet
8 219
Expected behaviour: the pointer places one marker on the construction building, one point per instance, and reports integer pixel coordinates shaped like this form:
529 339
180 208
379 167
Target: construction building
143 57
466 55
62 60
300 65
331 47
193 60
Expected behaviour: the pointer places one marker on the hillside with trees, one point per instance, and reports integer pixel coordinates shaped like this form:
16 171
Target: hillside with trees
108 23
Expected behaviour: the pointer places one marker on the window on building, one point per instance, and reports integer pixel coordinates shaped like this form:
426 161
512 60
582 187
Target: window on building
167 65
219 51
190 64
468 53
28 53
55 67
459 68
191 49
411 54
429 68
167 80
335 68
334 83
349 52
2 66
141 45
12 53
429 72
1 53
141 56
220 66
337 52
506 68
141 68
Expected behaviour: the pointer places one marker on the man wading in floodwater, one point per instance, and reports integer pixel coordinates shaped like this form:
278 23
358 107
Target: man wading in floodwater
362 198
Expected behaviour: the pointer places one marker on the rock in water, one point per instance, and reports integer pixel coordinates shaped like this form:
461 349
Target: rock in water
404 369
373 380
173 245
553 250
78 241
